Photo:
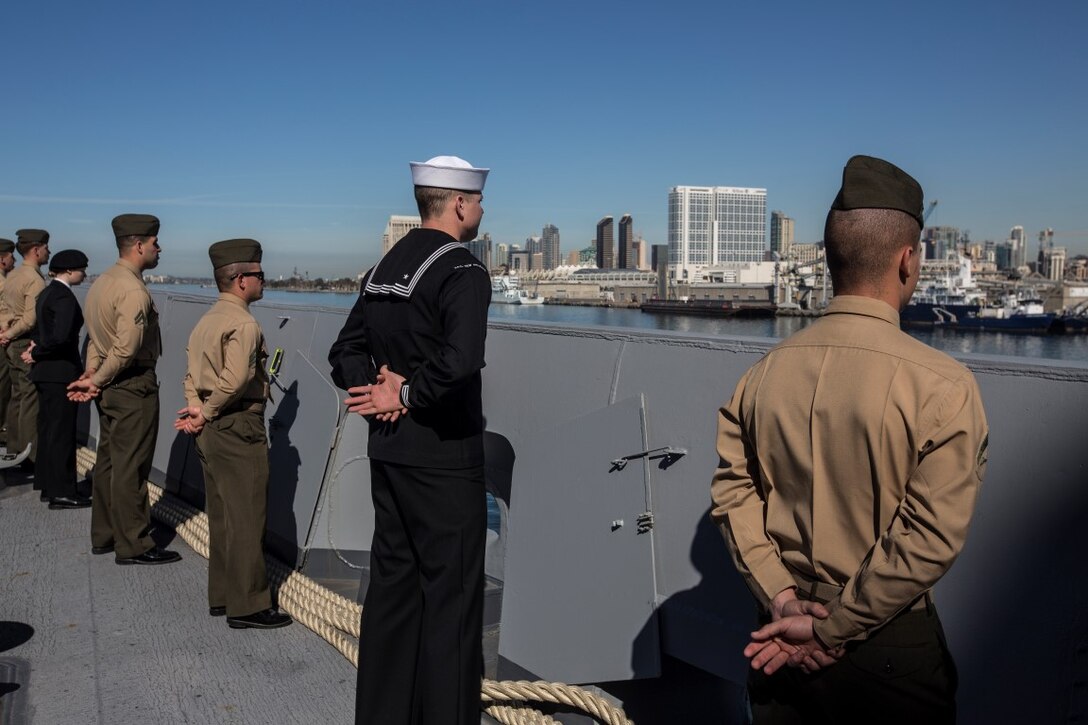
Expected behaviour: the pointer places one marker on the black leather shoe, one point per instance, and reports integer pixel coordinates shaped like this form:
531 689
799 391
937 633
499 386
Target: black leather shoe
154 555
267 619
99 550
217 611
67 502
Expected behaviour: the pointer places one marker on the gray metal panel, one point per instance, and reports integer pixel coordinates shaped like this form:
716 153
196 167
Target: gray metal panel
302 418
706 610
580 374
176 465
345 517
573 519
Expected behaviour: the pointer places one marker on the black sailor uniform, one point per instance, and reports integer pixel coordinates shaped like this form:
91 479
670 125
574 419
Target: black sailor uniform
423 312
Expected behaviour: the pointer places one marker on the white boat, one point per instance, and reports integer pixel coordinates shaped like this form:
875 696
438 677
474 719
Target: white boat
505 291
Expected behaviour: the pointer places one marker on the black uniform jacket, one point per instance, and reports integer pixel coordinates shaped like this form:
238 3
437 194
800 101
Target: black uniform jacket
56 336
423 312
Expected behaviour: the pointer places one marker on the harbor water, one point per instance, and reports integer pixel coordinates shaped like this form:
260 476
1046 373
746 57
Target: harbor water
1073 348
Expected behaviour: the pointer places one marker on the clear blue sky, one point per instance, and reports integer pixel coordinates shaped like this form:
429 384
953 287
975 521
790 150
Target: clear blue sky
294 122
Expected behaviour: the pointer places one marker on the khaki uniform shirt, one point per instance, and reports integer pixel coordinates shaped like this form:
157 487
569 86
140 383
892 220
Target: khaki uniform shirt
122 323
226 358
851 455
5 313
20 291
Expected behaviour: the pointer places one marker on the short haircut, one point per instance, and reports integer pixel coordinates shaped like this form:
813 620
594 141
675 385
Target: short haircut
24 246
130 241
432 200
860 243
223 275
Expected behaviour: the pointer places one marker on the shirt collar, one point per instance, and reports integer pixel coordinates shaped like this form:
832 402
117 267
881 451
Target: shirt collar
130 267
233 299
867 306
61 281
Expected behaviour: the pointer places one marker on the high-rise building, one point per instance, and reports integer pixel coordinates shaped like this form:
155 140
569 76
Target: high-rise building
1054 264
781 233
642 254
520 259
397 227
502 254
660 261
711 225
1018 247
940 241
626 243
606 248
549 246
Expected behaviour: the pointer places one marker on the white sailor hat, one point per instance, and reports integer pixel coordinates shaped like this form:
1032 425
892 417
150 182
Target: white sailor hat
448 172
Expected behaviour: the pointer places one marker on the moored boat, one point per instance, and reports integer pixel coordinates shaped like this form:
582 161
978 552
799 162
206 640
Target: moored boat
505 290
1010 314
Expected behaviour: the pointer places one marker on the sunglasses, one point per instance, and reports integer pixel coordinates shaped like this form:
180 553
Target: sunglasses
258 275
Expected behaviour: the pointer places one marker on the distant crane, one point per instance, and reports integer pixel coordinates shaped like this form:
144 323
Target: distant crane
925 216
932 206
1046 237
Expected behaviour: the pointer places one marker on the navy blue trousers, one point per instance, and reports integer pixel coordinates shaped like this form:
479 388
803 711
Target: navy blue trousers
420 650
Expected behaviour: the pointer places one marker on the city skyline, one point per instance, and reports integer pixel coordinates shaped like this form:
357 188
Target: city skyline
294 124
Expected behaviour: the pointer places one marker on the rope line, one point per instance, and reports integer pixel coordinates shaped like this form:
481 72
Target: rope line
336 619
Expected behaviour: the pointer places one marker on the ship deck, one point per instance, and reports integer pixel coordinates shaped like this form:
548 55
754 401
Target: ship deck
84 640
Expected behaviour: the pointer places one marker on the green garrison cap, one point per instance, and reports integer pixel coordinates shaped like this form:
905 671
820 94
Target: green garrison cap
230 251
33 236
6 246
67 259
135 225
872 183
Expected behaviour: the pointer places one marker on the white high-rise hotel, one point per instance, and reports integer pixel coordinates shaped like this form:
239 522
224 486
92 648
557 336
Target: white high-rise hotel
710 225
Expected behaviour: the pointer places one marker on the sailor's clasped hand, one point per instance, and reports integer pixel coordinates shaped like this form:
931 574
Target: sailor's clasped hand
382 399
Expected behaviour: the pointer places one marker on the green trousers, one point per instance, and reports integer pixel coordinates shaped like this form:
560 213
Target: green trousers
5 390
23 406
903 673
233 452
128 418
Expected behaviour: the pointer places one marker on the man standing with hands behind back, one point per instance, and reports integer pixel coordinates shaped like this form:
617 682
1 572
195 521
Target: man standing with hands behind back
851 458
21 290
54 362
410 355
122 349
226 387
7 263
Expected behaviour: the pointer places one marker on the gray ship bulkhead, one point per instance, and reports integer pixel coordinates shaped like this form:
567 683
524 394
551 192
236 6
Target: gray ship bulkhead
600 451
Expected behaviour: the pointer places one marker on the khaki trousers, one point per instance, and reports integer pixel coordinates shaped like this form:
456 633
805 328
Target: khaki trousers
23 406
233 452
128 417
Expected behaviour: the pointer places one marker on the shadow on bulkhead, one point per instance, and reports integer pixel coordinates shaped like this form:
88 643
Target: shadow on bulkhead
702 632
284 463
